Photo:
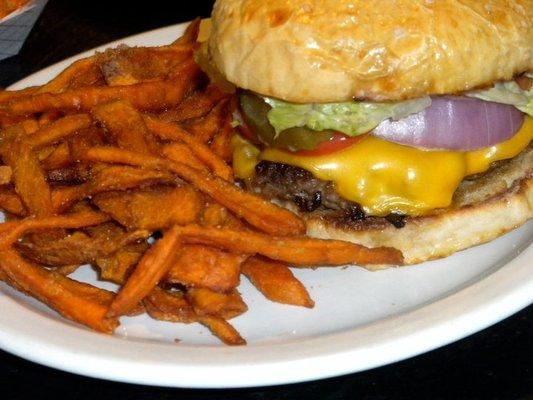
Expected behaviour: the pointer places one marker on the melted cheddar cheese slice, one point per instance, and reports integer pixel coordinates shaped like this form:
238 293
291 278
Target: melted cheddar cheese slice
385 177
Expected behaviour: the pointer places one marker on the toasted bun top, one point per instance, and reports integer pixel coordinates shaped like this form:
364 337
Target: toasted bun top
336 50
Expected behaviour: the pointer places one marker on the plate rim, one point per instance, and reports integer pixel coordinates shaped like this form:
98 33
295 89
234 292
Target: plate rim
487 300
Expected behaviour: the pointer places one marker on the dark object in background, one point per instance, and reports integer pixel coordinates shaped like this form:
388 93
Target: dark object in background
16 26
68 27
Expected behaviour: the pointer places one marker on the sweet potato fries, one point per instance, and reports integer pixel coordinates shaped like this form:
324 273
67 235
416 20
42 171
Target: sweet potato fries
121 162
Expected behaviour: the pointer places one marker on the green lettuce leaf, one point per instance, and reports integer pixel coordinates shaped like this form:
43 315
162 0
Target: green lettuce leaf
351 118
507 93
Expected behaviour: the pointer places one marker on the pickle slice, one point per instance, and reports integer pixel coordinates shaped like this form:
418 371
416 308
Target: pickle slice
301 138
255 114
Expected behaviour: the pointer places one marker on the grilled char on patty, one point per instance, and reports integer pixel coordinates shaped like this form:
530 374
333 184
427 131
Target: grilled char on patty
287 183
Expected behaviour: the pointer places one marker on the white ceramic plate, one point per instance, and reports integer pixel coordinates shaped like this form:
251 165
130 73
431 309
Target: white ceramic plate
361 319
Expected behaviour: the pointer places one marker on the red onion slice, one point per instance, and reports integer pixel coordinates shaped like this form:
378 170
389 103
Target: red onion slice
454 123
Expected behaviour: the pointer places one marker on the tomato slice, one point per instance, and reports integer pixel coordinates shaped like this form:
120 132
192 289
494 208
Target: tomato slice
338 142
247 133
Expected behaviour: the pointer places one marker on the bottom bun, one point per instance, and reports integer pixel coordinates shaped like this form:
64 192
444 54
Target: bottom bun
485 206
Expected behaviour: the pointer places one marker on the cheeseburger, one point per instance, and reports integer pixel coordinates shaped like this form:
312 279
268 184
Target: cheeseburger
403 123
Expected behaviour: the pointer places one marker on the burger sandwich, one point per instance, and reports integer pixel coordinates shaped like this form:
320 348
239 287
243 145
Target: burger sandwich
403 123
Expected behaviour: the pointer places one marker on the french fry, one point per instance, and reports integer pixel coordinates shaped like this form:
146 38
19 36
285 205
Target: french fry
170 131
108 179
60 129
182 153
35 248
60 83
45 152
130 65
122 177
92 293
8 95
216 215
117 267
91 77
151 269
125 126
154 208
223 330
66 270
206 267
28 176
195 106
190 36
110 230
76 301
49 117
301 251
169 306
117 70
207 127
255 210
78 248
10 202
154 95
173 307
46 236
58 158
6 173
276 281
221 144
77 75
208 302
10 232
84 140
64 197
103 297
64 80
30 125
7 121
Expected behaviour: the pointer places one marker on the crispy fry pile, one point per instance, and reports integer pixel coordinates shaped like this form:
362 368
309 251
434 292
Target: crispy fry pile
122 162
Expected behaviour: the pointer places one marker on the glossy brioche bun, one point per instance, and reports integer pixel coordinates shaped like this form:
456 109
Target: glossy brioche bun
484 208
336 50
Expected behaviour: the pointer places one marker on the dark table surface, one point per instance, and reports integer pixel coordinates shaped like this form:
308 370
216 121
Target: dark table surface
496 363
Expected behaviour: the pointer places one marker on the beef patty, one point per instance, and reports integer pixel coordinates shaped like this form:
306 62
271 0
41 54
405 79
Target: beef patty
286 183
